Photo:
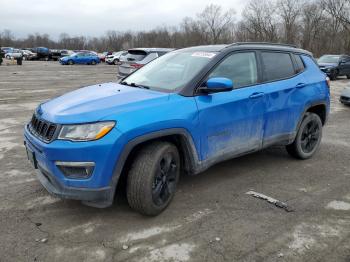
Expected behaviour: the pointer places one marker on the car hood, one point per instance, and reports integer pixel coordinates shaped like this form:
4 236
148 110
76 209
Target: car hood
327 64
94 103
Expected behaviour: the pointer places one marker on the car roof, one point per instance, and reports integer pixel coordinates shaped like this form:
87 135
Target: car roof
247 45
154 49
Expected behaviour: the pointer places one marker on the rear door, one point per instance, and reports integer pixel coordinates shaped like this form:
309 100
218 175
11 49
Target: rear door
283 91
232 122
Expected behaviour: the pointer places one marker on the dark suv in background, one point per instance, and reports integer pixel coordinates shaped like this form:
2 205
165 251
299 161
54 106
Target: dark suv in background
137 58
335 65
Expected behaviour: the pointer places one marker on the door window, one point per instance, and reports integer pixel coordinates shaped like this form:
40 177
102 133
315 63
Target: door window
277 66
239 67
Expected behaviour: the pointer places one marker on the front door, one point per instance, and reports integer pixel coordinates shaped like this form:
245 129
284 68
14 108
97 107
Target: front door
232 122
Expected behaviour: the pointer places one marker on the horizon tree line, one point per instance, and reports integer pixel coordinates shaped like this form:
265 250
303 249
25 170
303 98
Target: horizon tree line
320 26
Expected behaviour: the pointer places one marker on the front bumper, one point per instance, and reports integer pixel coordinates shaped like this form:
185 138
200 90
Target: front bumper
100 197
95 190
328 71
345 100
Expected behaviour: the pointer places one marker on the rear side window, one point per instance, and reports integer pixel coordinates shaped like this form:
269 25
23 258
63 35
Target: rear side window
299 63
277 66
239 67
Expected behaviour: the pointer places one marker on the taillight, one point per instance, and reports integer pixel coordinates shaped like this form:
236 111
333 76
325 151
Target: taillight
328 82
137 66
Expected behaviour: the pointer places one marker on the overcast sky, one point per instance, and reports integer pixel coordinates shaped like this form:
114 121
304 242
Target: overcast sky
95 17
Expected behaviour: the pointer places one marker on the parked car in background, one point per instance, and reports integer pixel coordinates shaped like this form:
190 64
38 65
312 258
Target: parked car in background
137 58
80 58
29 55
6 49
114 58
65 52
345 96
101 56
13 54
43 53
335 65
180 114
55 54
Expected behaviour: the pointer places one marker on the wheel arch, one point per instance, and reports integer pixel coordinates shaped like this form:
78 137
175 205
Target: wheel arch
180 137
319 108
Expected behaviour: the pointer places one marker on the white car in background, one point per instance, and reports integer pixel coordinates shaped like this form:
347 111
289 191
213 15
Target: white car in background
28 55
15 53
345 96
114 58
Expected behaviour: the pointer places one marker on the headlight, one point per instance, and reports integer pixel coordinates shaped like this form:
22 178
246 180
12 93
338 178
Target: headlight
86 132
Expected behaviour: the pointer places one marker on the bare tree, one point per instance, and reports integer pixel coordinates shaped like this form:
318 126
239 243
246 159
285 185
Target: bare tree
215 23
289 11
259 20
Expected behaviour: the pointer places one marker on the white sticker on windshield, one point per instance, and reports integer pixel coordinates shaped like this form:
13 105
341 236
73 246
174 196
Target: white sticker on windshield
204 54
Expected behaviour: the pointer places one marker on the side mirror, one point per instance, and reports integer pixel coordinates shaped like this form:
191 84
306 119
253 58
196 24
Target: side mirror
342 62
217 85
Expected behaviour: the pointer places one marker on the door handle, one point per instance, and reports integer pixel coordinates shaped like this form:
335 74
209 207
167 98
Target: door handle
256 95
300 85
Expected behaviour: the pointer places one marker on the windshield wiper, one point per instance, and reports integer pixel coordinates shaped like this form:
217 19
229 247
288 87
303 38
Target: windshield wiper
134 85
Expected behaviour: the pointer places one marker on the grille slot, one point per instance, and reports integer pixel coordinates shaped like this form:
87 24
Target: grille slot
42 129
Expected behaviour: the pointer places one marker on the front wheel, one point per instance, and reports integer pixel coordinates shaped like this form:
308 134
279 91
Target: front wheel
70 62
116 61
308 137
153 177
333 76
93 62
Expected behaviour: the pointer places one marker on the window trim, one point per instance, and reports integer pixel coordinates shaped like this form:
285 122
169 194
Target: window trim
294 55
205 77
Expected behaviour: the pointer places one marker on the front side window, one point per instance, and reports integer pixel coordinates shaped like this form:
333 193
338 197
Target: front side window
277 66
239 67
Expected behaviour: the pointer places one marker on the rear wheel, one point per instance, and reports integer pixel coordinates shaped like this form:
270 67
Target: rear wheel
153 177
308 137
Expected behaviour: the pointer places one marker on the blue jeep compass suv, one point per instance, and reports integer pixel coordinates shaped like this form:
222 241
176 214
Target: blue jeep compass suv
181 113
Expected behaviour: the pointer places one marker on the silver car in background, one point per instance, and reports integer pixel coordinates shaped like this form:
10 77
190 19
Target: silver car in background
114 58
137 58
15 53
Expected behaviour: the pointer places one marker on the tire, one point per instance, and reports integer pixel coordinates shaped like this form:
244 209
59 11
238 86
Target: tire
333 76
8 57
115 62
93 62
70 62
308 138
348 76
152 178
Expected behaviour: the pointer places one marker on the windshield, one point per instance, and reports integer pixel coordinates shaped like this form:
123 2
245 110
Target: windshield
170 72
331 59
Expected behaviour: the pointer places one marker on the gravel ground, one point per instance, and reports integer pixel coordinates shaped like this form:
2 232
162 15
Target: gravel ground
211 218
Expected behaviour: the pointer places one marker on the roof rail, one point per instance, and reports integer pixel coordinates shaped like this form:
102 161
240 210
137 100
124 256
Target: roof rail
262 43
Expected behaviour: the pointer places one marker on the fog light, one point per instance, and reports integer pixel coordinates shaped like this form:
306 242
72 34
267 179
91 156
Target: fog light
76 169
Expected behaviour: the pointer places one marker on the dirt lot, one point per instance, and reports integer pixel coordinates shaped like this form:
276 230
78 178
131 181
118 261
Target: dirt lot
211 217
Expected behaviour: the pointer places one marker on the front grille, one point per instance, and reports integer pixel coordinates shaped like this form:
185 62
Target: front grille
42 129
